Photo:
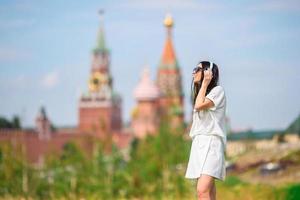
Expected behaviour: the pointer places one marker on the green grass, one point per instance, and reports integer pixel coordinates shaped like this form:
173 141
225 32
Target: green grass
231 189
292 191
234 189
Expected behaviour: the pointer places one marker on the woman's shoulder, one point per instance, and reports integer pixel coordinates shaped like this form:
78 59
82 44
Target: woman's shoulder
217 91
218 88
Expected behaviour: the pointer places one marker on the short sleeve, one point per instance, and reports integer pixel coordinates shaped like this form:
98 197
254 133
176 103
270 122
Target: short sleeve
217 95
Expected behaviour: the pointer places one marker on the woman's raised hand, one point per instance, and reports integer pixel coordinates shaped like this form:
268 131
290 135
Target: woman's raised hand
207 77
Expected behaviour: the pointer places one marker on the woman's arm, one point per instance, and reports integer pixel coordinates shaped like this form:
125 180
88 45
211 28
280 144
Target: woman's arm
203 103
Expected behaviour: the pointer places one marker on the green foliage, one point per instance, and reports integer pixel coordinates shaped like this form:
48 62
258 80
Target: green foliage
14 123
232 181
155 170
12 167
293 192
234 189
152 169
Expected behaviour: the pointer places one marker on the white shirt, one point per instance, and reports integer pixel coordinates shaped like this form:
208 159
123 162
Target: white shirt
211 120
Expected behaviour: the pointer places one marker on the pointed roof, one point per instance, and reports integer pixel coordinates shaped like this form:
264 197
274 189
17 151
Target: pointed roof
168 59
100 45
42 113
146 88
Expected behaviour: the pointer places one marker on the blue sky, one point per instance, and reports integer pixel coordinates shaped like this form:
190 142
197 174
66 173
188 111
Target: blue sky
45 54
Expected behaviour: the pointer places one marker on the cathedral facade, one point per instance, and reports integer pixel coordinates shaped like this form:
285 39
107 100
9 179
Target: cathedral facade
161 100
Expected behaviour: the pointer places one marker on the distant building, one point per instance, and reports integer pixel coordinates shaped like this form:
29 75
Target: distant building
43 140
145 116
169 80
162 99
241 141
100 108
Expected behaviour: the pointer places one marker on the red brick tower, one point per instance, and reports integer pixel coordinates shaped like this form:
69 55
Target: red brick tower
100 107
169 80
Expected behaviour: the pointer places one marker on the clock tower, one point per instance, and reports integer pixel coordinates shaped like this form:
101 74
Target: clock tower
100 106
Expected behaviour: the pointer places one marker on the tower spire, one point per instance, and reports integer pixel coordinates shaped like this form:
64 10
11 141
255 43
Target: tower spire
168 22
168 59
100 45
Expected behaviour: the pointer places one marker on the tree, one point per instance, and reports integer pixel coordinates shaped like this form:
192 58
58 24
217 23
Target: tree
13 124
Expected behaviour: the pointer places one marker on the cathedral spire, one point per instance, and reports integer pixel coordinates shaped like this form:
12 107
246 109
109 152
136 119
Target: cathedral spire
100 46
168 59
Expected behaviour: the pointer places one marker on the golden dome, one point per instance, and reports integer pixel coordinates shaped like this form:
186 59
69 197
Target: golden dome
168 22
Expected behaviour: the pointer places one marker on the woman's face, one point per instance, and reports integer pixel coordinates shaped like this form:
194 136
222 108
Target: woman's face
198 75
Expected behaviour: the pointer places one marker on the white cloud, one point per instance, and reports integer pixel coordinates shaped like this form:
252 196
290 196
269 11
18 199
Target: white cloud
50 80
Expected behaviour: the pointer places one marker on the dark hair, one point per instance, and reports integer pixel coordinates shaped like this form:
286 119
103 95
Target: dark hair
195 87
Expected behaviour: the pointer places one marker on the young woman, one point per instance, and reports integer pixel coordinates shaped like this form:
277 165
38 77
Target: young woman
207 154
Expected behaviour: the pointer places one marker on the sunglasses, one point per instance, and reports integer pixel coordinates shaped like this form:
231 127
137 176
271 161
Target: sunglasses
197 69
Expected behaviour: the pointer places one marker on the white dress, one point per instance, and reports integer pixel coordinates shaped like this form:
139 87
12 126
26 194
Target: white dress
207 154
